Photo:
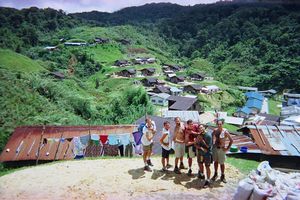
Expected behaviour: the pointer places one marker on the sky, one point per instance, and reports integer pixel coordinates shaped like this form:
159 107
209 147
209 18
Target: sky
71 6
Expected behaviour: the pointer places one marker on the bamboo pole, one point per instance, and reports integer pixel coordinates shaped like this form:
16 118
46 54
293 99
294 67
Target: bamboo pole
41 139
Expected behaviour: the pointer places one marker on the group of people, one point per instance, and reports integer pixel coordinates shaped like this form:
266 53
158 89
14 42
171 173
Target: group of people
192 139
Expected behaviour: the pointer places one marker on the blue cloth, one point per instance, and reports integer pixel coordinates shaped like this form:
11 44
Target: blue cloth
78 147
124 139
85 139
113 140
137 137
95 137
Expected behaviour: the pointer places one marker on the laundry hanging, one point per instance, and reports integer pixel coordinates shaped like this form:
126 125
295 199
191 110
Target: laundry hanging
78 148
103 139
137 137
85 140
113 140
95 139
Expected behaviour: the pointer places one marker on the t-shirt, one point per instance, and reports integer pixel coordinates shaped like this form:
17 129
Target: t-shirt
166 139
207 137
148 132
191 137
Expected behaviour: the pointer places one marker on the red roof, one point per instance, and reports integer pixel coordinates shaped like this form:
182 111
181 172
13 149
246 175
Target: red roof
24 142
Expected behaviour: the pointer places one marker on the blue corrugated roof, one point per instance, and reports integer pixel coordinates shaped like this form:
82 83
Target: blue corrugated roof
254 95
254 103
245 110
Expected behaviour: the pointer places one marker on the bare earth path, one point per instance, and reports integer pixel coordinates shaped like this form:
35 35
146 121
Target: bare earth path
110 179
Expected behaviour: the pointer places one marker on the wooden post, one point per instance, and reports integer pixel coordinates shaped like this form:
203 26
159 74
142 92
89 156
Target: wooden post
58 146
41 139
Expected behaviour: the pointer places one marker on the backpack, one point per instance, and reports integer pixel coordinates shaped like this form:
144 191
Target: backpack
141 126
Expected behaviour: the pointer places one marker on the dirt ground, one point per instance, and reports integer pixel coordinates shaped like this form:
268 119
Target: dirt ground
111 179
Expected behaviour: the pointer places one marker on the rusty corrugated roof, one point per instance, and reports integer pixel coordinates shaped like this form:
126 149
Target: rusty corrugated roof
277 140
25 140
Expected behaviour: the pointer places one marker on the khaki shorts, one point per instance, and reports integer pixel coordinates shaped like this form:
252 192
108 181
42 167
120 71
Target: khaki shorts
219 155
148 147
190 152
179 149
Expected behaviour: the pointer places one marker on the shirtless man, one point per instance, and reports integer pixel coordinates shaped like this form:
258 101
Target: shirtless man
191 131
220 135
179 144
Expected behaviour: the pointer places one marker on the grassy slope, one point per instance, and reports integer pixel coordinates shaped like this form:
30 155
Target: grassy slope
273 109
244 166
17 62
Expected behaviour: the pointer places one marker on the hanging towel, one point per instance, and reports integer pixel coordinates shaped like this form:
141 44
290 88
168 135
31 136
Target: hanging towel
113 140
78 148
137 137
85 139
124 139
95 139
103 138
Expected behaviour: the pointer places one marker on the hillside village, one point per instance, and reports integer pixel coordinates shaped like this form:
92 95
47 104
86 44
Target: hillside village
176 93
81 89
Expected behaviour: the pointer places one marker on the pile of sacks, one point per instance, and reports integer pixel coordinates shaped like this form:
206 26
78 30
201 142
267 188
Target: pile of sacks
268 183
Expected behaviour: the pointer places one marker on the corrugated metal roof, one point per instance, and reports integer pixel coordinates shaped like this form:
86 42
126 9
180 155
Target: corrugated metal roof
277 140
24 142
184 115
234 120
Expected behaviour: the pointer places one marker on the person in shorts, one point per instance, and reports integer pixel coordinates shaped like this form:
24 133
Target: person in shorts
179 144
165 145
149 131
220 135
191 131
204 155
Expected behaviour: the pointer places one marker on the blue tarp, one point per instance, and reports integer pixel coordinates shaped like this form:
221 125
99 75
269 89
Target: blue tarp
254 103
254 95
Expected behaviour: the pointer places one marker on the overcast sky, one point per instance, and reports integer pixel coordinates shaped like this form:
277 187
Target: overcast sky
88 5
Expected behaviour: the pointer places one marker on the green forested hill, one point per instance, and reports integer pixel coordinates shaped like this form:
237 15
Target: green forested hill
252 44
247 44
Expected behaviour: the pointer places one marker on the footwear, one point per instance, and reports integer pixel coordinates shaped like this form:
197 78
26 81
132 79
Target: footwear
164 170
200 175
190 172
223 179
214 177
181 166
168 166
147 168
207 183
150 163
176 170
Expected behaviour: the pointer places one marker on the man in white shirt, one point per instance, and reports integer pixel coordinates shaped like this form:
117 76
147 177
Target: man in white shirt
149 131
166 145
